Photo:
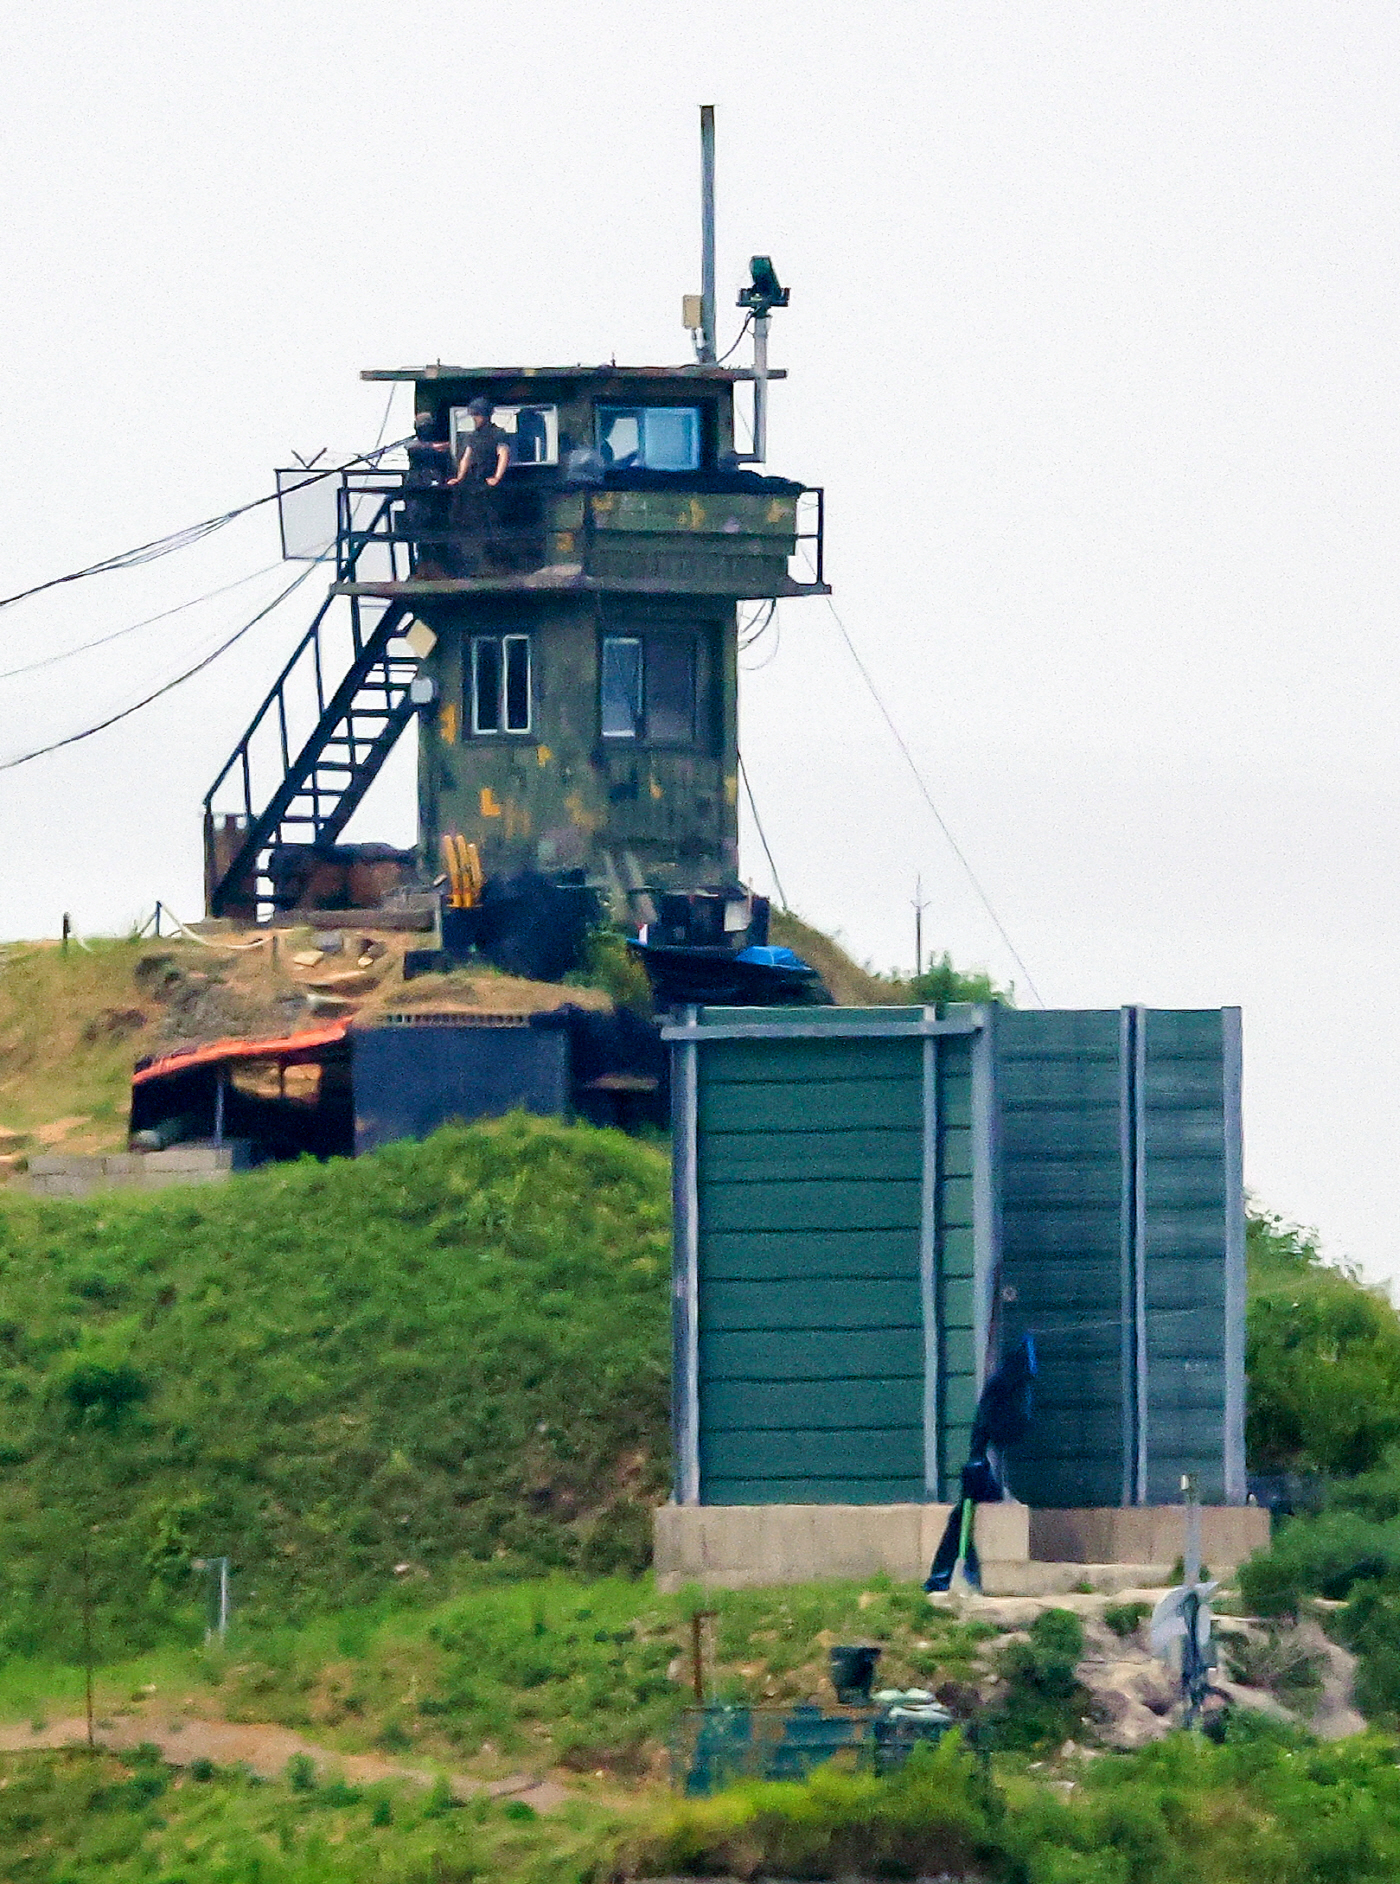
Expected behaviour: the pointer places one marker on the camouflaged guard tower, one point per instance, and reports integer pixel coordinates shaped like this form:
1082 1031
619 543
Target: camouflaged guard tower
570 653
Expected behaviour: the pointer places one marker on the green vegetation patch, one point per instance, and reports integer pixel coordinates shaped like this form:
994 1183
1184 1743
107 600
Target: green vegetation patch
344 1377
75 1818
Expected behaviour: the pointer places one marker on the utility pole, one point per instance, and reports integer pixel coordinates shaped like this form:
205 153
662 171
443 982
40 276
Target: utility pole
707 233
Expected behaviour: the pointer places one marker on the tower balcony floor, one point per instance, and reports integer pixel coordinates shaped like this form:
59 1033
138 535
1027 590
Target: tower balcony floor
570 578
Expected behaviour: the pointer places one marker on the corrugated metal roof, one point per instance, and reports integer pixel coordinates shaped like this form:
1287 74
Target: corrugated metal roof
283 1046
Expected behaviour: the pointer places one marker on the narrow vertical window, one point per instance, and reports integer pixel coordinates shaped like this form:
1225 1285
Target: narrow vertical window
621 688
670 691
486 684
500 684
517 683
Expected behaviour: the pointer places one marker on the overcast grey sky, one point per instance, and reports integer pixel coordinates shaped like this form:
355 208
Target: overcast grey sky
1092 344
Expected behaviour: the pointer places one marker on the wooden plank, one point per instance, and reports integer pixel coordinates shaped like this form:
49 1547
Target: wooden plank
1186 1033
809 1406
1181 1084
957 1304
770 1157
815 1354
848 1204
959 1399
812 1061
1091 1130
1082 1035
770 1453
777 1255
1186 1184
802 1106
957 1202
955 1152
816 1491
1057 1184
1028 1235
810 1304
958 1251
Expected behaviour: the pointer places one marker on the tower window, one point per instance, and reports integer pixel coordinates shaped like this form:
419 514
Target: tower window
647 688
652 438
500 684
622 687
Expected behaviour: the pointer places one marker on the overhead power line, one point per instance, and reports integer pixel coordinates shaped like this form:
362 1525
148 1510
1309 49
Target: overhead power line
86 647
191 534
928 799
72 739
758 826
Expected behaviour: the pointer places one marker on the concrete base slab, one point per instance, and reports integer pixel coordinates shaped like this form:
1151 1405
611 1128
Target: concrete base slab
1062 1579
1147 1534
72 1174
1023 1552
745 1546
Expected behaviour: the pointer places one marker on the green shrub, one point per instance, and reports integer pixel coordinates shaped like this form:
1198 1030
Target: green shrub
1042 1702
1323 1358
934 1816
1276 1662
1125 1619
1323 1556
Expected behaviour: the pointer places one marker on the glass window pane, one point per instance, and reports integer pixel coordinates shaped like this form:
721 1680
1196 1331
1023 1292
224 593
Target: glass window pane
621 690
486 684
517 683
670 690
671 438
619 435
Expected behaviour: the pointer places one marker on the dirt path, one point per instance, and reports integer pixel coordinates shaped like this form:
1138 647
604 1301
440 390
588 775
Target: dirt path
265 1751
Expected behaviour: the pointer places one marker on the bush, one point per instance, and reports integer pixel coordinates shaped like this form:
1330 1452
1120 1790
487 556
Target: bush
1124 1619
936 1815
1322 1556
1042 1702
1323 1358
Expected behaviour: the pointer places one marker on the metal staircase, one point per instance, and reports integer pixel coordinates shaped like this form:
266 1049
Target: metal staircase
312 751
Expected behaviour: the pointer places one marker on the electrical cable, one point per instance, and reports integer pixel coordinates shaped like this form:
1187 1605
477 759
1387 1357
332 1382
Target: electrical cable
756 667
192 533
748 322
388 408
85 647
758 824
72 739
757 625
939 819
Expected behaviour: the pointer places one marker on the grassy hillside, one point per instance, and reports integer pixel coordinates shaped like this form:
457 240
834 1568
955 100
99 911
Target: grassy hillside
73 1022
1267 1807
344 1377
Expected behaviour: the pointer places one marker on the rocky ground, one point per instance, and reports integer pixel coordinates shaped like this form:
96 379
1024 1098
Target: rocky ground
1293 1673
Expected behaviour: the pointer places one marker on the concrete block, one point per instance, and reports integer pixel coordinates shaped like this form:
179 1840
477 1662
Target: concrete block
1059 1579
163 1180
1147 1534
232 1155
743 1546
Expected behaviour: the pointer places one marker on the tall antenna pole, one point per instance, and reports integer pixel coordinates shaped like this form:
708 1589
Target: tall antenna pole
707 232
919 907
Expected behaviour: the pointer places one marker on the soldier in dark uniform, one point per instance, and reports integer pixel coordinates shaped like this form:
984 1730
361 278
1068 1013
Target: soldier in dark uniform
483 465
426 501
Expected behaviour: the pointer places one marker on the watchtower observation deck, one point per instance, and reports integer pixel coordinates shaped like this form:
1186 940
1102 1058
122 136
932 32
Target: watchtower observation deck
620 479
566 636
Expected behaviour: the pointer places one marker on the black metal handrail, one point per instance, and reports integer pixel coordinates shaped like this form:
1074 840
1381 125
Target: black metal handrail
388 526
334 706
